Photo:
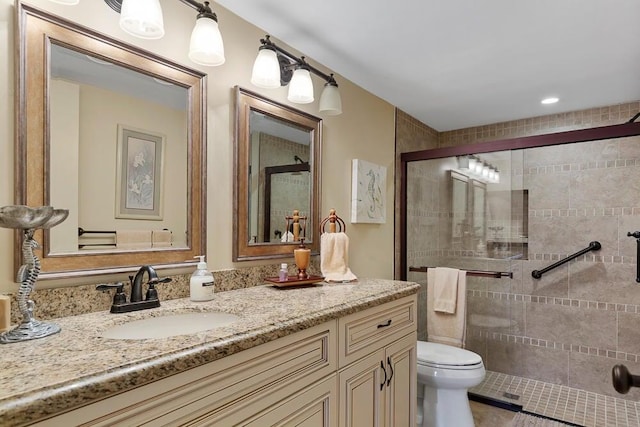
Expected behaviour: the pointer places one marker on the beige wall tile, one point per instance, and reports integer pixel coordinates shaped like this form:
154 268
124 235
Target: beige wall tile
571 325
604 282
593 373
554 283
538 363
568 235
629 333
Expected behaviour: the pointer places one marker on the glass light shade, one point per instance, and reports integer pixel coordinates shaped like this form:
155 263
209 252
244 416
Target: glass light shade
206 47
478 167
330 101
463 162
492 174
266 69
142 18
66 2
301 87
472 163
496 178
485 171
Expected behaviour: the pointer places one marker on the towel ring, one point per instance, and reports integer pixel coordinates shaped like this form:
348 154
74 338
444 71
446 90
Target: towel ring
334 222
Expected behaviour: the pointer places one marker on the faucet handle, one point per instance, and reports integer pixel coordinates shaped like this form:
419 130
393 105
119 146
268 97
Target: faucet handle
119 297
152 292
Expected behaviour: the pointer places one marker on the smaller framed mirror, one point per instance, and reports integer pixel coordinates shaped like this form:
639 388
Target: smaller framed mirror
277 172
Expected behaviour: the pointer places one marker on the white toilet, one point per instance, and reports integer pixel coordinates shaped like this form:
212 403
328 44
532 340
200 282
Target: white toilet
445 373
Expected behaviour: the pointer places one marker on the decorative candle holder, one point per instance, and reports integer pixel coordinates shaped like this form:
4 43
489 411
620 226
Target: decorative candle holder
302 255
28 220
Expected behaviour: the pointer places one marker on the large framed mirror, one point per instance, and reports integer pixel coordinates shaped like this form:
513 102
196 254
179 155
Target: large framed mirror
277 172
116 135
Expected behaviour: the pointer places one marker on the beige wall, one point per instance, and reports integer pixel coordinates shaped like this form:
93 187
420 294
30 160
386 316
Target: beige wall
365 131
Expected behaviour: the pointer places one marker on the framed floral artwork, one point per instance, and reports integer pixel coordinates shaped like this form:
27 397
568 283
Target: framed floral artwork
139 170
368 189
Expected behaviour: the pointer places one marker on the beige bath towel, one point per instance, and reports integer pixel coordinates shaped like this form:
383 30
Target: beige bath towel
161 238
133 239
446 328
445 290
334 251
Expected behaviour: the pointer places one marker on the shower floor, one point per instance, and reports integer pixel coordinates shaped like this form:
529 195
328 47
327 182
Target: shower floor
560 402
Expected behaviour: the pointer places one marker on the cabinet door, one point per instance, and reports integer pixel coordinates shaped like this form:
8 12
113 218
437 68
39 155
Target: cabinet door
400 389
362 386
313 407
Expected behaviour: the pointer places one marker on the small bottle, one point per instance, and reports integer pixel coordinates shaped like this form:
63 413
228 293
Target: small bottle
201 284
284 273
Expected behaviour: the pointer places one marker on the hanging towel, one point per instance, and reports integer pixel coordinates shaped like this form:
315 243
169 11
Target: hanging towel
445 290
447 328
334 251
161 238
133 239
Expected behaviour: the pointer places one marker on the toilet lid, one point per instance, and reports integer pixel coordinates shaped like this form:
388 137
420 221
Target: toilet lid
446 355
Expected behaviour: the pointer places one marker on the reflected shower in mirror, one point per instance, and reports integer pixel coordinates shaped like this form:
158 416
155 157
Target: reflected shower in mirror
277 173
280 162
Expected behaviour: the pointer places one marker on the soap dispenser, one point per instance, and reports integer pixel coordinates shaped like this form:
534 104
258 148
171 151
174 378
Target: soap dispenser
201 284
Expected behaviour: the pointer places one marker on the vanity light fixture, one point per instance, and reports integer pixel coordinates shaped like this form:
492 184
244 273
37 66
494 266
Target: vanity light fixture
275 67
476 168
143 19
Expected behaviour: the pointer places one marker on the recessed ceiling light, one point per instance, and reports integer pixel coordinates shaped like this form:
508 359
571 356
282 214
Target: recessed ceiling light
550 100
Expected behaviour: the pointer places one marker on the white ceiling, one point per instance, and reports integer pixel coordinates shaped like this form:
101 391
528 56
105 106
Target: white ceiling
459 63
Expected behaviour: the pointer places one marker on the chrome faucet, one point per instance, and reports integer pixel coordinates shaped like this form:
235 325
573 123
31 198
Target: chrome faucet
151 300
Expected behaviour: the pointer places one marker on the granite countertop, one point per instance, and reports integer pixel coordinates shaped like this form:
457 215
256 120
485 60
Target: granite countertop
77 366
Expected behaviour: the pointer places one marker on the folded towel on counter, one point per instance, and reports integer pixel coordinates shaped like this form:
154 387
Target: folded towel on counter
445 290
161 238
443 327
334 251
133 239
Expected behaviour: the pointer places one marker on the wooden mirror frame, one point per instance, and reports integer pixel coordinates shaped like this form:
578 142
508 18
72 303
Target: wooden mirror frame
35 32
245 102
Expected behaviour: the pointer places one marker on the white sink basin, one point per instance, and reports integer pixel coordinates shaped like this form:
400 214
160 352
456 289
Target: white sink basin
169 325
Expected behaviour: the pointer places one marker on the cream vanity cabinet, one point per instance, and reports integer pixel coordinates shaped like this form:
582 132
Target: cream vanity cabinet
321 376
377 359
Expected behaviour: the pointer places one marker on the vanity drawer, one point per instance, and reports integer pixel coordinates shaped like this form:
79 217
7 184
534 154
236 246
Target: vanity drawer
367 331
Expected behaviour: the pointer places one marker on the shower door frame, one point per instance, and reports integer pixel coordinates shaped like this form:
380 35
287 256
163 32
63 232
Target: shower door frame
558 138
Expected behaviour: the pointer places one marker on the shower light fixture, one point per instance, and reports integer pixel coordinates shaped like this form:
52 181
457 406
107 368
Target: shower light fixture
275 67
143 19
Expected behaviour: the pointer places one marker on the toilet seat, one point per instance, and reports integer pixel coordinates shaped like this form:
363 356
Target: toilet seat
442 356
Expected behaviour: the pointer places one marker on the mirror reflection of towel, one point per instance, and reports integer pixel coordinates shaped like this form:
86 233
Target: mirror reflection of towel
161 238
133 239
287 237
334 251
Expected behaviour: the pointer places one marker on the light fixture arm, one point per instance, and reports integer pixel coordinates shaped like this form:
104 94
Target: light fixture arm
297 62
204 10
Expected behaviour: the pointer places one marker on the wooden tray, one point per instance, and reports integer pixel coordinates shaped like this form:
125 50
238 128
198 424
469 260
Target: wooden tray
293 281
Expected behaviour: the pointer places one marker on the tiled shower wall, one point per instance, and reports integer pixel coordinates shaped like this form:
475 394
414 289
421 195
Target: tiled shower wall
573 325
